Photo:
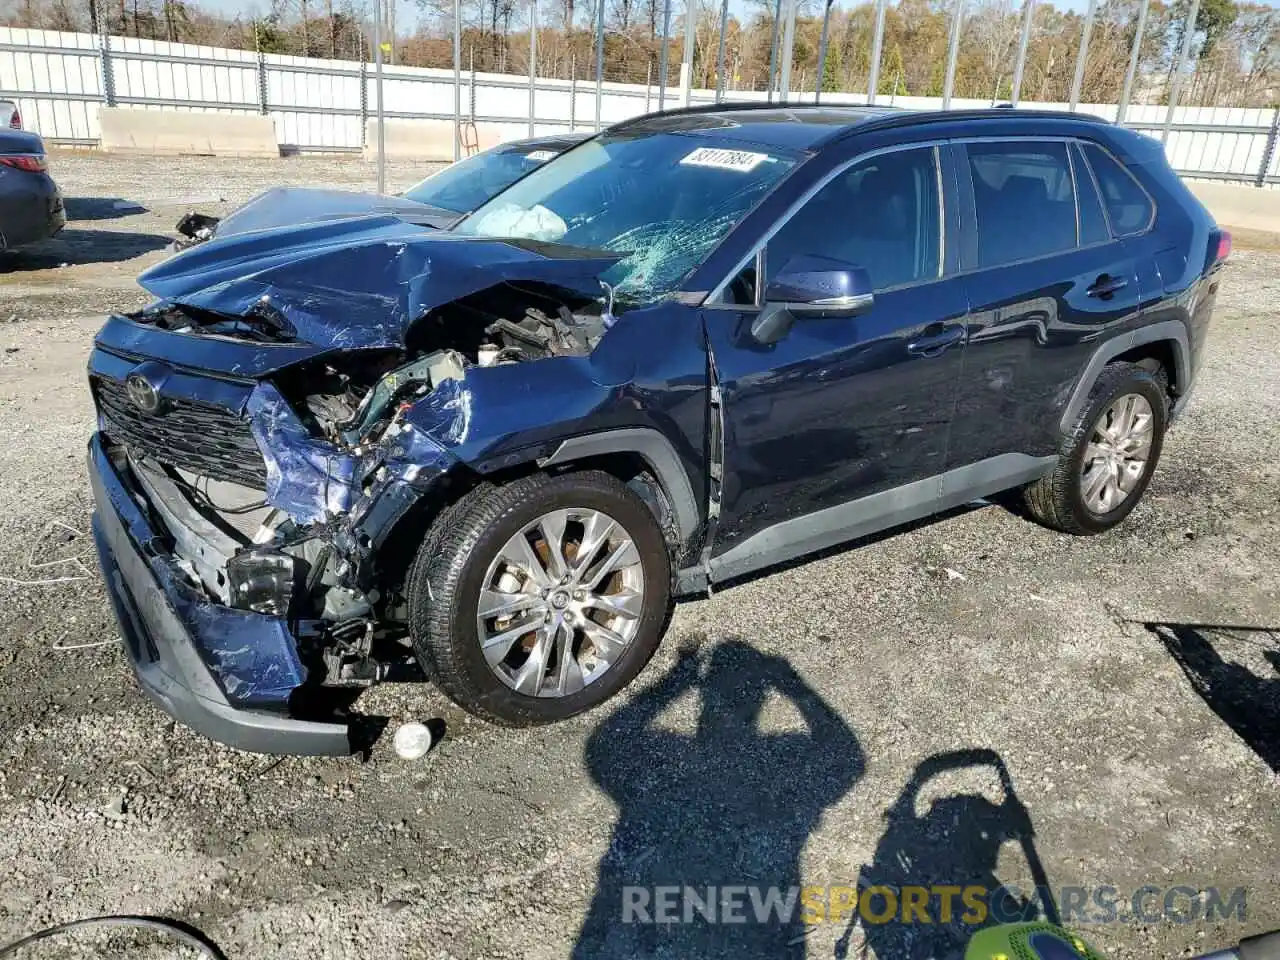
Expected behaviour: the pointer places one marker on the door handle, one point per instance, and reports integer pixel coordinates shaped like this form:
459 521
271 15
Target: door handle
1106 285
932 344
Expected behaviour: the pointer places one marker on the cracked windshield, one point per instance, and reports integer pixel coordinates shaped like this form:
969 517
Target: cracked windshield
601 196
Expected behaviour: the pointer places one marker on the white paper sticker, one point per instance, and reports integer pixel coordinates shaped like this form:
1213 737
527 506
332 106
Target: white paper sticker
540 156
740 160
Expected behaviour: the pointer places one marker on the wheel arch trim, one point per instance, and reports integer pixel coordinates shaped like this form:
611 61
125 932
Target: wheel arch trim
1173 331
656 451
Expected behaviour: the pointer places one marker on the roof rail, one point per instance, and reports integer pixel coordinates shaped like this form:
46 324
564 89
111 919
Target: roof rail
909 118
729 106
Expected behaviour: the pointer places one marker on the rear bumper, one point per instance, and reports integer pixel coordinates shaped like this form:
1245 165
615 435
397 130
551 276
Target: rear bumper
30 212
211 667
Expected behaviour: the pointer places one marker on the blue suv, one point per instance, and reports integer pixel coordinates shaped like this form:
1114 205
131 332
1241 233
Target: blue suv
696 345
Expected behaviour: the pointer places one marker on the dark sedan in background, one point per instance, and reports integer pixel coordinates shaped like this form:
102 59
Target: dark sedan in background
436 201
30 202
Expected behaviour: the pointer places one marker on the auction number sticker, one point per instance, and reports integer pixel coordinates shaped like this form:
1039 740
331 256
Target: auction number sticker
740 160
540 156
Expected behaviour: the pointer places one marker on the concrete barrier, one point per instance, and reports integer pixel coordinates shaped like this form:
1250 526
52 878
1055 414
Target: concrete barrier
179 132
1247 208
426 139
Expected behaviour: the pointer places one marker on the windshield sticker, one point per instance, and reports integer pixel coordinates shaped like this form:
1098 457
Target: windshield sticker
743 161
540 156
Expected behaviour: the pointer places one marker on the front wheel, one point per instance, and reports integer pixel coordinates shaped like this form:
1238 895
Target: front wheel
1106 460
539 599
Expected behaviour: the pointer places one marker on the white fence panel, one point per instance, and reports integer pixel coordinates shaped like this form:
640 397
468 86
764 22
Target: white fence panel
58 81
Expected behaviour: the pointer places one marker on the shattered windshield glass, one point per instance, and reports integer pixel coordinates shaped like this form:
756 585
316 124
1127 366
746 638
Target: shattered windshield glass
465 185
663 200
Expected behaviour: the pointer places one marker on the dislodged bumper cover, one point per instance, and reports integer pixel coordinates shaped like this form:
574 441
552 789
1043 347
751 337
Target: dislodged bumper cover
228 674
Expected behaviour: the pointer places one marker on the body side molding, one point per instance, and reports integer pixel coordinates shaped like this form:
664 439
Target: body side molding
879 511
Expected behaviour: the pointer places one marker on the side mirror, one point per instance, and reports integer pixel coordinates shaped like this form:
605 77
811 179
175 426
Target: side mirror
810 286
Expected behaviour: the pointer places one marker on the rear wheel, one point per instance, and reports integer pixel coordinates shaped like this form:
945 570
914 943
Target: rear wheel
1106 460
537 600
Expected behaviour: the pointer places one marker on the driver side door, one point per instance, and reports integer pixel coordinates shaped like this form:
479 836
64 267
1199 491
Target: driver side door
837 428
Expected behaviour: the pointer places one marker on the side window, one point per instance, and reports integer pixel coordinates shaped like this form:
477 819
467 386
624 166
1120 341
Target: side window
1128 207
1024 199
1093 223
882 214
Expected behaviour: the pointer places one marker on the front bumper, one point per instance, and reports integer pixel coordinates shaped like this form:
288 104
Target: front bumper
228 674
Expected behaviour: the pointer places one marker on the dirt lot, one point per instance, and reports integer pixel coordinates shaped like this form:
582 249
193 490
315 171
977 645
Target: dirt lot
980 632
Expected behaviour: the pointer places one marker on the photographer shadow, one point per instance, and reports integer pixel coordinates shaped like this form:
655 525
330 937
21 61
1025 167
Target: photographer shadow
954 845
728 805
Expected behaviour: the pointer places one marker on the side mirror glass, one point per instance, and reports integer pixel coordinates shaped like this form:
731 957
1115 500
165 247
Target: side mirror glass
811 287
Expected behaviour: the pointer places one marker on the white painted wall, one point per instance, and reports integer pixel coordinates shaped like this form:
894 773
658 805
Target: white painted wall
57 80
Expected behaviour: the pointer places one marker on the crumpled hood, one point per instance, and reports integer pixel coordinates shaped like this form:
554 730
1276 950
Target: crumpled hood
359 282
287 206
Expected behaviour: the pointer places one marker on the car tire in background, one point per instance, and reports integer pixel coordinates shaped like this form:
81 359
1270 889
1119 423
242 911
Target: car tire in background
511 578
1107 457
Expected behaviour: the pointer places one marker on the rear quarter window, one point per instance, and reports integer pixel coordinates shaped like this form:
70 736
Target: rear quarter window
1128 207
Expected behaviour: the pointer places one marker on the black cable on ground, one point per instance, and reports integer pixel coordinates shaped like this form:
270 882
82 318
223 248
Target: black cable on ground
184 932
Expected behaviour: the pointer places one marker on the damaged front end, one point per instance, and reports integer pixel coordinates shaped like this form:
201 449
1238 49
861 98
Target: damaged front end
267 425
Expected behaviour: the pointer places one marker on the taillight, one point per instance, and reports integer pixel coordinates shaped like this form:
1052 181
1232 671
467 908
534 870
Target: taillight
1224 246
30 162
15 121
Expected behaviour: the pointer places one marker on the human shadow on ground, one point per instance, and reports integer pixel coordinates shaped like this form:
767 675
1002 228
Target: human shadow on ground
937 856
1249 704
729 805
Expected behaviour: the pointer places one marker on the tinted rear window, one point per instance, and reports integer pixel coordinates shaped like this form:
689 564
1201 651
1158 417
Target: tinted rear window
1128 206
1024 198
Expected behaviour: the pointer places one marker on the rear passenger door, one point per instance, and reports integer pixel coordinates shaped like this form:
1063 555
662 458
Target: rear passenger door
1045 282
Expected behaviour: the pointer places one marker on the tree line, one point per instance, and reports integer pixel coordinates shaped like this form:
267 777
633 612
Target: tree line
1235 46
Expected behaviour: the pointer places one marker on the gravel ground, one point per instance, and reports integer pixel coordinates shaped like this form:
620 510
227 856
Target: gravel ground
834 683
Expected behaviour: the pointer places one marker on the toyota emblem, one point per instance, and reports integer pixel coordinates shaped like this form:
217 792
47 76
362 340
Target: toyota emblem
143 393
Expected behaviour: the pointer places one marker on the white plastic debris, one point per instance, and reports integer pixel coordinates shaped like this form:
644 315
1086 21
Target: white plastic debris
412 741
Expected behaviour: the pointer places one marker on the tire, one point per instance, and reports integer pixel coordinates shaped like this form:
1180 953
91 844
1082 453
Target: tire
457 560
1058 500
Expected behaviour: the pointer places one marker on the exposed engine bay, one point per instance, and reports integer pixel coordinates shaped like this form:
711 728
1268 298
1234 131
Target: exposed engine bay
504 324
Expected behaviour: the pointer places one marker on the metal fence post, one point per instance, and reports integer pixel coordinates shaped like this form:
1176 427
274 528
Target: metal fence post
377 67
773 49
1077 82
877 48
690 44
1028 12
724 28
648 83
533 60
1133 63
457 80
1269 150
599 63
1175 84
662 55
364 97
262 83
822 51
104 63
953 52
573 93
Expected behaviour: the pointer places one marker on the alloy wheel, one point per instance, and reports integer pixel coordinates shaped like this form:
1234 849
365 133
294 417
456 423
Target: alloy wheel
561 602
1118 453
